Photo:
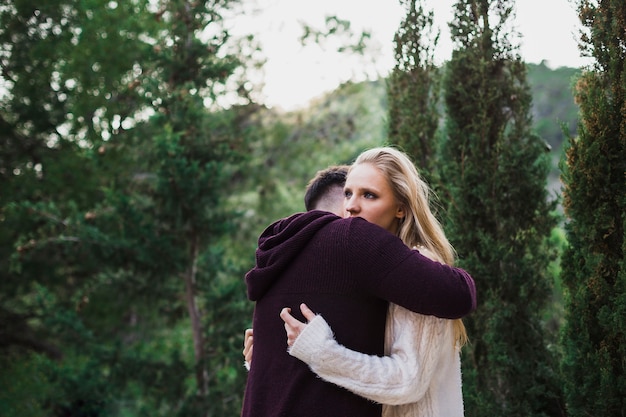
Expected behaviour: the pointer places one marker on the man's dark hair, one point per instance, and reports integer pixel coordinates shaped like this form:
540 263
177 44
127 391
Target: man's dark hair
323 182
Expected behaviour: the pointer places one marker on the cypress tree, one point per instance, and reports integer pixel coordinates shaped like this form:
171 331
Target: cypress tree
413 87
499 216
65 74
593 171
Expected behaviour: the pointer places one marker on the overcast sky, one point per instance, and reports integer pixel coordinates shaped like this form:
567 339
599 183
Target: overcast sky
294 75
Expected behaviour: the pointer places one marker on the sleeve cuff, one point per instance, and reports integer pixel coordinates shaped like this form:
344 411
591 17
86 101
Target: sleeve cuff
311 339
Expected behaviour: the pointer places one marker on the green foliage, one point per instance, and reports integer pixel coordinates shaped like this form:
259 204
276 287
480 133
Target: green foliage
553 102
113 177
23 387
499 217
356 43
594 337
122 176
413 89
333 130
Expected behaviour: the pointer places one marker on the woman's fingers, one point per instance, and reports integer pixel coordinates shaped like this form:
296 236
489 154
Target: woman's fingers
285 314
248 355
307 312
293 326
248 345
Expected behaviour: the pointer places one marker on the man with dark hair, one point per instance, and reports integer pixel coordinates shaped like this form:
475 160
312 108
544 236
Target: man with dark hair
348 270
325 190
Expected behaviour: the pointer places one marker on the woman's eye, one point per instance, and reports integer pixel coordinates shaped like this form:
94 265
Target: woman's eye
369 195
347 194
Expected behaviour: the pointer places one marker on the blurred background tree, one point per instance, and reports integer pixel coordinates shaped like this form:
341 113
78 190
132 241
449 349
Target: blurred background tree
413 88
115 170
594 169
499 217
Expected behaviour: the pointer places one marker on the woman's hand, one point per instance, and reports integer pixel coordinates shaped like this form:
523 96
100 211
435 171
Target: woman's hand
247 345
293 326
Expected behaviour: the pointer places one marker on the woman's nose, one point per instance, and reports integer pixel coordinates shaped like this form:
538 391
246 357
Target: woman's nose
350 206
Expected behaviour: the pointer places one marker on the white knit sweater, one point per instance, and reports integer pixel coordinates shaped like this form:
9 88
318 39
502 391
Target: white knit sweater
420 376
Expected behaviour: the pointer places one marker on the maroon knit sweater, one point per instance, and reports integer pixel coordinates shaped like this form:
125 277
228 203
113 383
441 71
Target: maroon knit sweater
346 270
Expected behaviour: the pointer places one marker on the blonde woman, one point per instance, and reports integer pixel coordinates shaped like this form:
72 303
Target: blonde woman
421 374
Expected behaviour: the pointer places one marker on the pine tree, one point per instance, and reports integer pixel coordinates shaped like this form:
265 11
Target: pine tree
593 268
116 167
413 88
65 72
499 216
177 215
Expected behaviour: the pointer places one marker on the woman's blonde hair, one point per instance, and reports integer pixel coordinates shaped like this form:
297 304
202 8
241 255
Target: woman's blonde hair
419 227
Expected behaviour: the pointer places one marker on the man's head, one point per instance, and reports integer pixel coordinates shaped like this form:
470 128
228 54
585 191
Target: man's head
325 190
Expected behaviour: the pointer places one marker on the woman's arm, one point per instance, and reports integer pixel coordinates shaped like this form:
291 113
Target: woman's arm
416 346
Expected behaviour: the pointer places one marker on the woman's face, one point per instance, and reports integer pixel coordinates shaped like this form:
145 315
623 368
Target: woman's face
369 195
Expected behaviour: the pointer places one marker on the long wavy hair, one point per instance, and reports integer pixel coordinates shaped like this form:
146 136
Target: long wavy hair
419 227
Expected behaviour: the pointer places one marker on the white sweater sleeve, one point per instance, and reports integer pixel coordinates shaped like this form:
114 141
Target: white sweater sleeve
414 345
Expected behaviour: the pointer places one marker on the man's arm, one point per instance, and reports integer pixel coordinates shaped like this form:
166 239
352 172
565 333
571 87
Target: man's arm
398 274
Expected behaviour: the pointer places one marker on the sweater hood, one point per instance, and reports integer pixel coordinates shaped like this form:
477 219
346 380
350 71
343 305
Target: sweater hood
279 244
